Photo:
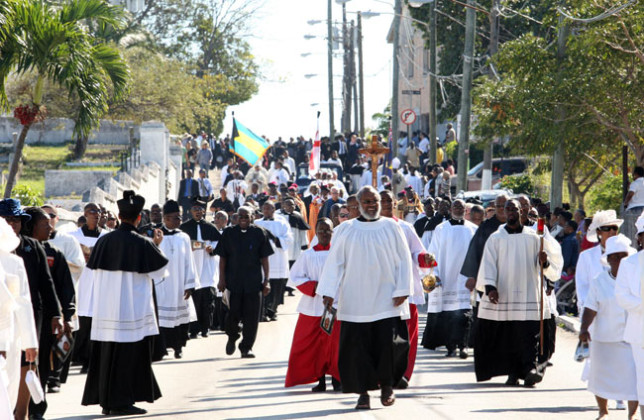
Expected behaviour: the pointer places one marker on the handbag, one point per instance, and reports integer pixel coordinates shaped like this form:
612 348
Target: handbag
34 386
582 352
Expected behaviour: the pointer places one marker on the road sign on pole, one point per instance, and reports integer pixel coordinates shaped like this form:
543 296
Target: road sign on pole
408 116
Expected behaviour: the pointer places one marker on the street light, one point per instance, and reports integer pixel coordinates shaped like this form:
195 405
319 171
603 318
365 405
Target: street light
310 75
307 36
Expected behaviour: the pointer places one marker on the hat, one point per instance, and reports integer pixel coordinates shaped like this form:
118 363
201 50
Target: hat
8 239
617 243
409 187
272 183
324 187
639 224
11 207
171 206
200 203
131 204
602 218
395 163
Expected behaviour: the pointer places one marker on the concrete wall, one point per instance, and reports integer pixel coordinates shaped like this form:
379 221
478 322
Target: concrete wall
64 183
60 130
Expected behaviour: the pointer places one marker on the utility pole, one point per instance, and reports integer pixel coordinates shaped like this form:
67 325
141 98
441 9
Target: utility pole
556 181
354 79
395 118
346 77
360 75
486 180
466 99
329 27
433 71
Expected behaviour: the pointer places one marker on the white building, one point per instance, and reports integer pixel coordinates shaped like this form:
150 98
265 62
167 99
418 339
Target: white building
132 5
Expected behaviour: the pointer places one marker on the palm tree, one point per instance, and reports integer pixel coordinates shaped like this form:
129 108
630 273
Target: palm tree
53 41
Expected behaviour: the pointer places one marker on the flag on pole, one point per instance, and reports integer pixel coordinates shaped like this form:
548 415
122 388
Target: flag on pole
247 145
314 160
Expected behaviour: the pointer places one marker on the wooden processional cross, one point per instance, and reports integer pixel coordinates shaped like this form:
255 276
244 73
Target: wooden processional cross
374 150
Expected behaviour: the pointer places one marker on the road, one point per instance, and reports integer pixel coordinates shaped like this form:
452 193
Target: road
207 384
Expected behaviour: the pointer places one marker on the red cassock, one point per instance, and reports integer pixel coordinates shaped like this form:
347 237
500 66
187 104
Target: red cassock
412 327
314 353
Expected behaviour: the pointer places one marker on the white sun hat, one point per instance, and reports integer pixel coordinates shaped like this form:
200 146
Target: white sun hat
8 239
602 218
618 243
639 224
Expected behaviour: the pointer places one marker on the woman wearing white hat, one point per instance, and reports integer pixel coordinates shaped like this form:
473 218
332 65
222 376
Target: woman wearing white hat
605 224
612 371
628 292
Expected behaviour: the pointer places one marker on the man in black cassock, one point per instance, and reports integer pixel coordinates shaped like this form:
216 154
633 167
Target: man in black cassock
124 264
243 250
204 237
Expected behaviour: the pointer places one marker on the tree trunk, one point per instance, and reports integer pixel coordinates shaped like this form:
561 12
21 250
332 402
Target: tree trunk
80 147
15 163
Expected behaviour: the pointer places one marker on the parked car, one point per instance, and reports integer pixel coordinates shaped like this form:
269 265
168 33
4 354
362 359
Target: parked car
484 196
303 179
500 168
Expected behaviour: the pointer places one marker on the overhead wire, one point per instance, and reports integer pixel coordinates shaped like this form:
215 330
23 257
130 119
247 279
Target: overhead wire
608 13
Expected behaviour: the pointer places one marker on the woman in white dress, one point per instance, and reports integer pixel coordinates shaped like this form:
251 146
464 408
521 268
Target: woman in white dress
612 372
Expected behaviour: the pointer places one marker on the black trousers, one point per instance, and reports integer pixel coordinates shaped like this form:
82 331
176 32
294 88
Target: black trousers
186 204
244 307
275 297
219 317
204 300
448 328
44 367
368 352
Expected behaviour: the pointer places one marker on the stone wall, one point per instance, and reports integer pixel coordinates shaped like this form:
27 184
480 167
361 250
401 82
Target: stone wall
61 130
60 183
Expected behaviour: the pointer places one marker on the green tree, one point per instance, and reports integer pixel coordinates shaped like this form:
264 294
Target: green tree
52 41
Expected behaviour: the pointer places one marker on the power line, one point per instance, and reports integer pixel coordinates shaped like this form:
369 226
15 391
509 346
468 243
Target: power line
604 15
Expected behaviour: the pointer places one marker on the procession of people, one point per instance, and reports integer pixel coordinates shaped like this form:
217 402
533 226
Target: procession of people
363 259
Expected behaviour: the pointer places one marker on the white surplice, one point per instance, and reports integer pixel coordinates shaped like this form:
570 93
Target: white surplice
369 264
449 246
206 265
70 247
122 308
416 248
278 262
589 266
173 308
511 264
308 267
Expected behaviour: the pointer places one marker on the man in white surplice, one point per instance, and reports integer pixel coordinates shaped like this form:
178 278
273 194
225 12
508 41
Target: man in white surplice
448 306
173 292
17 325
369 273
281 239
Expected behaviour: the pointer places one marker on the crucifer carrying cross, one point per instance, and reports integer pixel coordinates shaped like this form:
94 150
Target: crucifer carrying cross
374 150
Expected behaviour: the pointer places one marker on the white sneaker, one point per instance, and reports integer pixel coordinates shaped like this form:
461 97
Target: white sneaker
620 405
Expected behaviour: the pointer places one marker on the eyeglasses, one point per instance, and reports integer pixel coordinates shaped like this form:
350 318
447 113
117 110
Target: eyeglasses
343 215
608 228
370 202
94 211
352 207
52 215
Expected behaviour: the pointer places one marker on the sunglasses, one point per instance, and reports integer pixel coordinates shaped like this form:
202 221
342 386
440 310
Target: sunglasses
343 215
608 228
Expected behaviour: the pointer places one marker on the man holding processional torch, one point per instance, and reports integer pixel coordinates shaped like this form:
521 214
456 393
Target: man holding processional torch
512 308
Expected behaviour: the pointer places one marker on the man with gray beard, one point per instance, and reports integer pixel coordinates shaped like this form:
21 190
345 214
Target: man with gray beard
369 272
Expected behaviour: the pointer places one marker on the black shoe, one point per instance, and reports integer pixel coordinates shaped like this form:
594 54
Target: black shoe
53 389
84 369
230 346
204 334
451 353
403 383
36 417
463 354
512 381
248 354
291 294
273 317
533 377
337 386
193 336
264 319
127 411
106 411
178 354
363 402
321 386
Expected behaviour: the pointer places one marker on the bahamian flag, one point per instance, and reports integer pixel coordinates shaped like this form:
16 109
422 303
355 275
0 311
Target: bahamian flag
246 144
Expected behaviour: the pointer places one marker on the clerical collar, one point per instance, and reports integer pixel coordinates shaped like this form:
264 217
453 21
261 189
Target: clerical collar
455 222
169 232
271 219
512 230
319 247
127 227
91 233
362 219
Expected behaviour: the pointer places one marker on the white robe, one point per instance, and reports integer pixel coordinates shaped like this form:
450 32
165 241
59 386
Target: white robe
206 265
629 296
449 246
173 308
368 265
278 262
17 324
416 248
85 283
589 266
70 247
511 264
308 267
122 306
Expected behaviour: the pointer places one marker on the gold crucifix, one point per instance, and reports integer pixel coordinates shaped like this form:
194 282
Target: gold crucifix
374 150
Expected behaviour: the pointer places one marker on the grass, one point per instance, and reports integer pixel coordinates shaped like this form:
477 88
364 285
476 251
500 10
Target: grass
38 158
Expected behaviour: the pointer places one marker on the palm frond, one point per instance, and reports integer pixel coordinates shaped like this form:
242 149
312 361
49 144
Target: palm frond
74 11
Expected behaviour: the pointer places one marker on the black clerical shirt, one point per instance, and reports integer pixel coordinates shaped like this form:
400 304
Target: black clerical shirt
243 251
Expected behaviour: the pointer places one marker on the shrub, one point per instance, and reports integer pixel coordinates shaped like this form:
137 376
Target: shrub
519 184
605 195
26 195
